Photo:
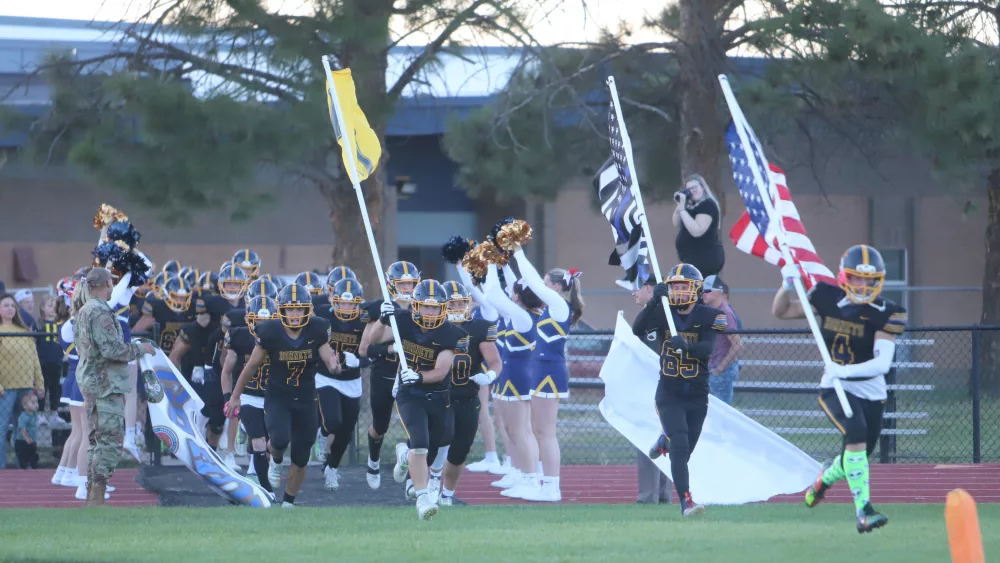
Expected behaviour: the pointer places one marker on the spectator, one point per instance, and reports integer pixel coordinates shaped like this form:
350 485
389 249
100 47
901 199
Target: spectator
50 354
723 365
654 486
26 302
27 433
19 368
697 222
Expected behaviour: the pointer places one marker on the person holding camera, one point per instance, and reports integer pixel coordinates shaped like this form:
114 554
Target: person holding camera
697 219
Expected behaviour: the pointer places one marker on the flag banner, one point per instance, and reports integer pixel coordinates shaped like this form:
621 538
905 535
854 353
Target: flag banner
736 460
613 183
367 149
754 232
173 405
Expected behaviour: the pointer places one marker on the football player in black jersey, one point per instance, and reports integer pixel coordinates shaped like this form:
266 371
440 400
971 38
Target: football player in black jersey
294 345
261 287
859 327
249 261
172 268
336 274
682 392
401 278
476 367
340 394
209 283
422 401
173 310
239 344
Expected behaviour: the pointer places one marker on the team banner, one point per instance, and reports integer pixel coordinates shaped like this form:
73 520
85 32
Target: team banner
736 460
173 405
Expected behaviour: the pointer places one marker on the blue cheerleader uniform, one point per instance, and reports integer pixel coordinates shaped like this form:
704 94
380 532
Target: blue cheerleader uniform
551 373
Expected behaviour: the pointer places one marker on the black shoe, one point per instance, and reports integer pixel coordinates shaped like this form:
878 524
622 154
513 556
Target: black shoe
661 447
870 519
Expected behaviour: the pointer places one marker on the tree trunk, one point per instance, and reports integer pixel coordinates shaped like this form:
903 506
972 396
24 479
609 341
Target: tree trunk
701 58
990 364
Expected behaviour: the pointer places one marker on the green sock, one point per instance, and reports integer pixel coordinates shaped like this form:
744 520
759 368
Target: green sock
856 470
835 472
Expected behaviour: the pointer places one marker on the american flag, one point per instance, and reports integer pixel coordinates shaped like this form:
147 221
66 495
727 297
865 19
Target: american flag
754 232
613 183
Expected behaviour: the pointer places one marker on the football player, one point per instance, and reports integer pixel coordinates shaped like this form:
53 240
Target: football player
239 344
249 261
477 367
294 344
340 394
209 283
431 344
261 287
171 312
860 328
401 278
682 391
172 268
336 274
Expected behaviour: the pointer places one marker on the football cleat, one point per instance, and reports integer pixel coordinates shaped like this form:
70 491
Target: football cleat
689 507
402 463
660 448
409 490
273 473
374 477
426 507
331 478
870 520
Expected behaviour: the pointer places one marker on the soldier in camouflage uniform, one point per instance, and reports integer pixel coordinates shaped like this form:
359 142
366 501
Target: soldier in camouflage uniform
103 376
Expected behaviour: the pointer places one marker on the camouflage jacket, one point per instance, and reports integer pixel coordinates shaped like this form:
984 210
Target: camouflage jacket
104 356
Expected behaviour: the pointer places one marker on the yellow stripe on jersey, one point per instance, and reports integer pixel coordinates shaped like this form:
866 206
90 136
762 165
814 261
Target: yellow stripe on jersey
492 333
554 324
720 322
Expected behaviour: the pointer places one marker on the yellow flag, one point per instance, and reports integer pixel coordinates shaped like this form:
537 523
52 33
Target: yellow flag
367 149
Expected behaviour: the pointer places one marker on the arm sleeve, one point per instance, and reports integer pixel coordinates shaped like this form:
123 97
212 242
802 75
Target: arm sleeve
703 349
519 318
107 342
488 311
510 277
879 365
558 307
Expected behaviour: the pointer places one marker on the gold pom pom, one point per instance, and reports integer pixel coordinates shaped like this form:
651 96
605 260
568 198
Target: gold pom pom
475 262
515 233
494 255
107 215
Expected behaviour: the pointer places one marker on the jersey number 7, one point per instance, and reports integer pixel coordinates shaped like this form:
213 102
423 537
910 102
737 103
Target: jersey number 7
673 364
295 369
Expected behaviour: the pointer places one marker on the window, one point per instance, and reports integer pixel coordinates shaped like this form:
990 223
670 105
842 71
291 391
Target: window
896 279
895 265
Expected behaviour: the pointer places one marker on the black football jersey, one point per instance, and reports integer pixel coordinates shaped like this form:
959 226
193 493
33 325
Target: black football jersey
294 362
469 361
849 328
386 367
242 343
201 350
684 373
321 301
423 346
170 322
234 318
345 336
135 309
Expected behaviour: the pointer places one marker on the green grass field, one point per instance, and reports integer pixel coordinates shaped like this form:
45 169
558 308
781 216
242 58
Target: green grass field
748 534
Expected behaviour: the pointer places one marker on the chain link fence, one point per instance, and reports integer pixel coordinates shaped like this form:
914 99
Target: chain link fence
943 405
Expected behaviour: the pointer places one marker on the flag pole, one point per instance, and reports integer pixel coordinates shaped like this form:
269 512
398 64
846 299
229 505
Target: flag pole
352 171
627 147
763 186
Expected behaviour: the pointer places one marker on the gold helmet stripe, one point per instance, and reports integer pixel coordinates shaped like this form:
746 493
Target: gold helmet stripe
406 270
343 272
349 286
430 287
295 288
864 254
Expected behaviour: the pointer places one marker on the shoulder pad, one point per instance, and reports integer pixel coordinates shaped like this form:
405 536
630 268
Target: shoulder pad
895 319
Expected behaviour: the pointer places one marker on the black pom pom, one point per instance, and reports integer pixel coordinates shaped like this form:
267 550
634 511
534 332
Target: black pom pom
454 250
478 280
120 260
125 232
109 252
134 263
500 224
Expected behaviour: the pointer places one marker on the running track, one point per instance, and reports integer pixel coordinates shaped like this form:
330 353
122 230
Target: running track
595 484
617 484
33 489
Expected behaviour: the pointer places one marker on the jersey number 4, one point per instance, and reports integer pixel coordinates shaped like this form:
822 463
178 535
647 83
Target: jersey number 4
673 364
840 350
461 369
295 370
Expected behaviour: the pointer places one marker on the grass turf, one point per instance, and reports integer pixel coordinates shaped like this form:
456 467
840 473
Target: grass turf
749 534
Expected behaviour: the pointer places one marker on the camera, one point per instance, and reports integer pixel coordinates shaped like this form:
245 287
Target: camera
685 191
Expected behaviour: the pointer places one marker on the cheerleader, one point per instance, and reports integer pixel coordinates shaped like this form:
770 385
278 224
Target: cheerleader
66 474
491 462
560 290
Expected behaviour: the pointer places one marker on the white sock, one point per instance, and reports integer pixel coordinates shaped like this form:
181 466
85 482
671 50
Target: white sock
541 470
129 435
533 477
491 457
507 460
373 464
445 492
435 474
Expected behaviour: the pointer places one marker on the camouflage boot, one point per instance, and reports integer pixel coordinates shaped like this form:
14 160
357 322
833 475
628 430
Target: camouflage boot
95 494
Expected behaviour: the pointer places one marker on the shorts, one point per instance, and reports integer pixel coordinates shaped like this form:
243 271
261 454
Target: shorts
425 418
252 420
518 377
465 424
865 427
551 380
291 422
71 394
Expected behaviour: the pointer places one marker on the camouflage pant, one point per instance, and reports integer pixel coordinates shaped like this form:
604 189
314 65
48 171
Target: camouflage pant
106 417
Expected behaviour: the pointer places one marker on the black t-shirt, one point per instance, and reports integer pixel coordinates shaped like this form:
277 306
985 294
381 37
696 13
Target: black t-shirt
685 374
422 347
293 361
849 328
469 362
345 336
704 252
242 343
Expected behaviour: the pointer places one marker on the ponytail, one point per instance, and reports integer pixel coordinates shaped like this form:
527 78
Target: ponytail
569 283
81 294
